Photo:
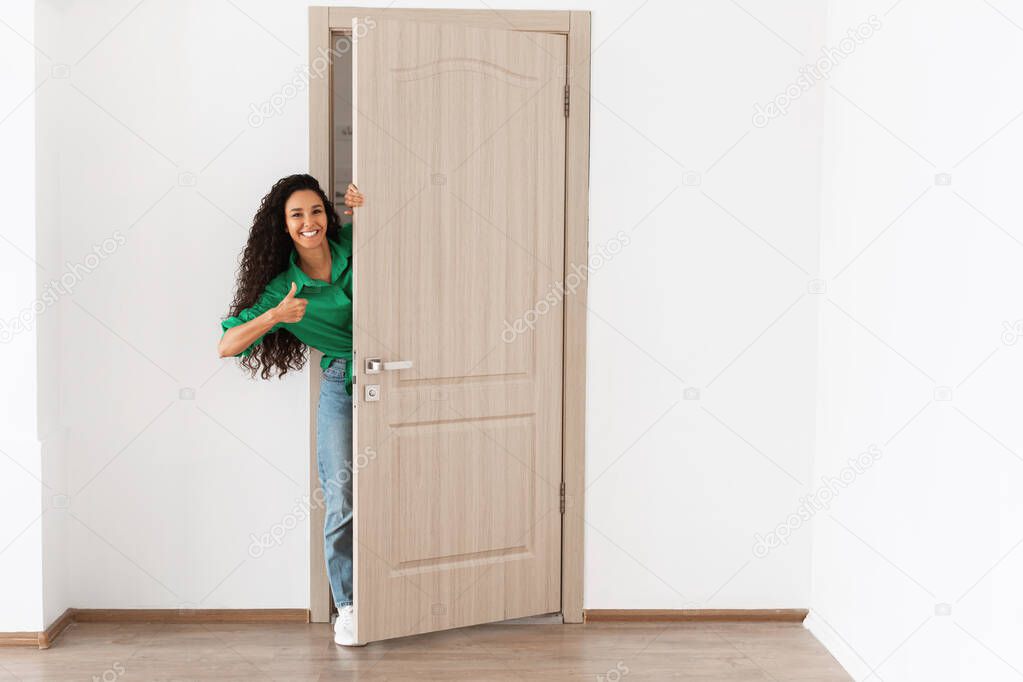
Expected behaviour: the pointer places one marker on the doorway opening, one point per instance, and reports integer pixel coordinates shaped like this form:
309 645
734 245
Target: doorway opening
500 427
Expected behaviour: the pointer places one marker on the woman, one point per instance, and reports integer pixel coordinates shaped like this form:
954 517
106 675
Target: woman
295 290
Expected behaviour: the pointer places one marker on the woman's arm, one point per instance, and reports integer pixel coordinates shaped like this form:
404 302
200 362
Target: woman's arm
237 339
246 330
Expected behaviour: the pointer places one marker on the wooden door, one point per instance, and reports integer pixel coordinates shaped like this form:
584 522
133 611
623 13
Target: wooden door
459 252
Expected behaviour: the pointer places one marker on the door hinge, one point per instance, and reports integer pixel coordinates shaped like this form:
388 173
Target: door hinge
566 100
562 497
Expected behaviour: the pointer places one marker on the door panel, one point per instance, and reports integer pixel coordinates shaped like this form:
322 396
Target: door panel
460 152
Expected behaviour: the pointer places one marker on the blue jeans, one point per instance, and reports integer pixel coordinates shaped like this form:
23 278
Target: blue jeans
334 458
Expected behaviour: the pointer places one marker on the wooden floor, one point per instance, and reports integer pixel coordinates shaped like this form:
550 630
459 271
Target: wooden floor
610 652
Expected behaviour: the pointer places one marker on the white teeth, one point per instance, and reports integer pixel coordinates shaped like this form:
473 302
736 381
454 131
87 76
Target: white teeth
310 233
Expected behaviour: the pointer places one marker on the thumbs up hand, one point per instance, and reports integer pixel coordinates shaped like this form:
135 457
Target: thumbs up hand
291 309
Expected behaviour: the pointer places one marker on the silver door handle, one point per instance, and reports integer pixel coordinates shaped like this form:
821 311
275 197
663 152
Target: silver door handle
374 365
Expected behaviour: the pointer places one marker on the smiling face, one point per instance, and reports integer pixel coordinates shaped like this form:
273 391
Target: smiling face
306 218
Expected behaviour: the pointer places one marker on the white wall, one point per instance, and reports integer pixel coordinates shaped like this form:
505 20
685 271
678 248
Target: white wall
57 559
165 491
916 563
33 538
21 474
175 459
711 295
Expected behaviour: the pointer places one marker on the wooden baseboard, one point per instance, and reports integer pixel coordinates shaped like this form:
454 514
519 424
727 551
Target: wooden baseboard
30 639
694 615
192 615
56 629
39 640
45 639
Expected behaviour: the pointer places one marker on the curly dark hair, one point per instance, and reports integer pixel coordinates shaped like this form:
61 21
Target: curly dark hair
266 255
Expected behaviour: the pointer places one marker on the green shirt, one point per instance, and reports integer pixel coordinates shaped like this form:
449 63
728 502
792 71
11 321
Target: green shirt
327 323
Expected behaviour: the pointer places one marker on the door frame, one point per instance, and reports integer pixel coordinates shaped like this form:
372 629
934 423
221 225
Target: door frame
575 25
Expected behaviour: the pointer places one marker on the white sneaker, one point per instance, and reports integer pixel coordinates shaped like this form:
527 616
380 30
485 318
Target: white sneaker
344 626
